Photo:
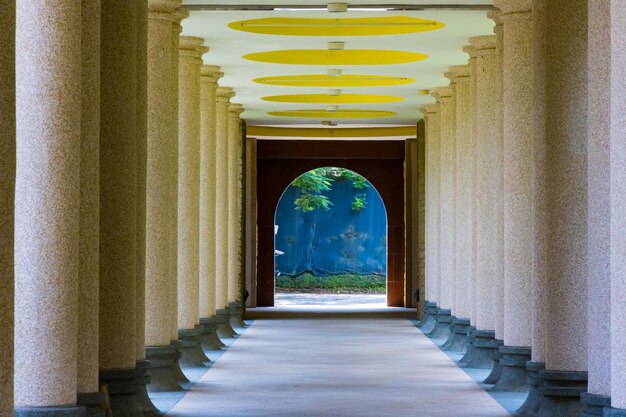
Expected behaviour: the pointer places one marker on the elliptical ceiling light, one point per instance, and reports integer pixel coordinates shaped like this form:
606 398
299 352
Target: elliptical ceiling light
334 78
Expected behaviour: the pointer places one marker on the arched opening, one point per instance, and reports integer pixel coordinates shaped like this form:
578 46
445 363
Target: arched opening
330 240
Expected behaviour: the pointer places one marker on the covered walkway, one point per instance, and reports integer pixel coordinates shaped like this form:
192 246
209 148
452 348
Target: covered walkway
335 367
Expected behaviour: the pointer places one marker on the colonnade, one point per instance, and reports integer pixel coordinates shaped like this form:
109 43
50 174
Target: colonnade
525 198
126 168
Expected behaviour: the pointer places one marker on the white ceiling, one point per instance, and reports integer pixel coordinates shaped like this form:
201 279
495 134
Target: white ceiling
227 46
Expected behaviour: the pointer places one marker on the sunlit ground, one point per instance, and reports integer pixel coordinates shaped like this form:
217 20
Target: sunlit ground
331 300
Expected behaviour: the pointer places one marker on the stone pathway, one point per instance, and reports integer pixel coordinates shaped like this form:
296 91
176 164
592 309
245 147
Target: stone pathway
335 368
349 300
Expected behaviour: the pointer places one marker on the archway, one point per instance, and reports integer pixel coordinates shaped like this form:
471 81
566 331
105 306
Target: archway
331 240
381 162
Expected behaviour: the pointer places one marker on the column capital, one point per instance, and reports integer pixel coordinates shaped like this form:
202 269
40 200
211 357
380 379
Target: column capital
441 92
225 93
162 8
211 73
180 14
236 108
192 46
483 45
460 71
429 109
509 7
470 50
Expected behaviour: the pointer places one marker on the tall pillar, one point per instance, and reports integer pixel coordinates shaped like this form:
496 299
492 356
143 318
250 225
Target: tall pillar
234 210
431 118
208 100
7 200
89 224
224 94
560 183
47 211
190 61
617 149
162 154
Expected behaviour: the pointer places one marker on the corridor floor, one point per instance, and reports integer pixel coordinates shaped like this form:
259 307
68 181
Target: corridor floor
335 368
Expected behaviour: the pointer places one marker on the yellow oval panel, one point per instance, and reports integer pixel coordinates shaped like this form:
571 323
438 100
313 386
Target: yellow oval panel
369 26
323 80
327 99
338 114
341 57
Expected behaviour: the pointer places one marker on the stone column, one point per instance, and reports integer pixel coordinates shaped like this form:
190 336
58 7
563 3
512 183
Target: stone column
161 157
617 149
224 95
560 184
234 210
190 61
7 200
463 222
431 118
89 224
487 157
47 211
208 99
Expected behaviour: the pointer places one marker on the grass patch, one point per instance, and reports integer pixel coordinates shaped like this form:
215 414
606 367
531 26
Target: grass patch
342 283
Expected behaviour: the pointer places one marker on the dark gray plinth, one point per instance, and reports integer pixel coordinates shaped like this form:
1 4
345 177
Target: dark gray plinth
141 396
457 342
469 351
496 371
162 360
93 402
561 391
442 327
431 319
594 404
65 411
485 347
192 355
534 399
614 412
179 375
122 384
236 321
224 329
209 338
513 361
429 308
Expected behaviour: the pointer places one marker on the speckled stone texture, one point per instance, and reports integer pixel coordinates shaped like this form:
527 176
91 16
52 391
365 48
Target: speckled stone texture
561 178
162 133
118 190
88 284
432 129
464 246
618 207
489 214
447 194
190 61
517 103
234 194
224 95
599 199
7 197
209 74
48 103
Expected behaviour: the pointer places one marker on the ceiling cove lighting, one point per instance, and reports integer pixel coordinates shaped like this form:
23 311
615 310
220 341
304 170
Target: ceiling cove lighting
334 97
334 78
333 112
368 26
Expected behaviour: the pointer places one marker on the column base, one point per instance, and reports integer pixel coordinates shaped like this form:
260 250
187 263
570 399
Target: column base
123 389
561 391
496 371
162 360
65 411
442 327
594 404
428 324
469 351
209 338
93 402
143 400
513 362
485 346
192 355
457 342
614 412
224 329
234 308
533 379
179 375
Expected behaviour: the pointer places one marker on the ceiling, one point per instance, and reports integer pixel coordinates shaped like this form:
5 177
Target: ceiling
227 46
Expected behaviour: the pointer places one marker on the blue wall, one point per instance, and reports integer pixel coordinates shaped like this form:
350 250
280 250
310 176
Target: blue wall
336 241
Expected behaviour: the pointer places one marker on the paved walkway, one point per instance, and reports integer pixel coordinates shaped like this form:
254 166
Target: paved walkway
350 300
335 368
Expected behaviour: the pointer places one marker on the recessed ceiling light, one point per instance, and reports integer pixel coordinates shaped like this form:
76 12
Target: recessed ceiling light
334 92
336 45
334 72
337 7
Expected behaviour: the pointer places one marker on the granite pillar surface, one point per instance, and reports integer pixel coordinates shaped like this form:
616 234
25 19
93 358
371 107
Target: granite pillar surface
47 210
7 200
234 194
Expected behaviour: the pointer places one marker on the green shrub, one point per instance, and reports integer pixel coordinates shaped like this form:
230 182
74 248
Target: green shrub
353 283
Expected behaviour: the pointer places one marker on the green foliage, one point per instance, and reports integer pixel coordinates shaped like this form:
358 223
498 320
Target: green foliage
314 183
333 283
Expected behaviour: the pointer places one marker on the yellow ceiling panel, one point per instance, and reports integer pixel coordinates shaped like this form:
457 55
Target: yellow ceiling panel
333 99
323 80
336 57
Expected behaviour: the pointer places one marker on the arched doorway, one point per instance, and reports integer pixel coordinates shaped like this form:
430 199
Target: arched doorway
278 162
331 240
